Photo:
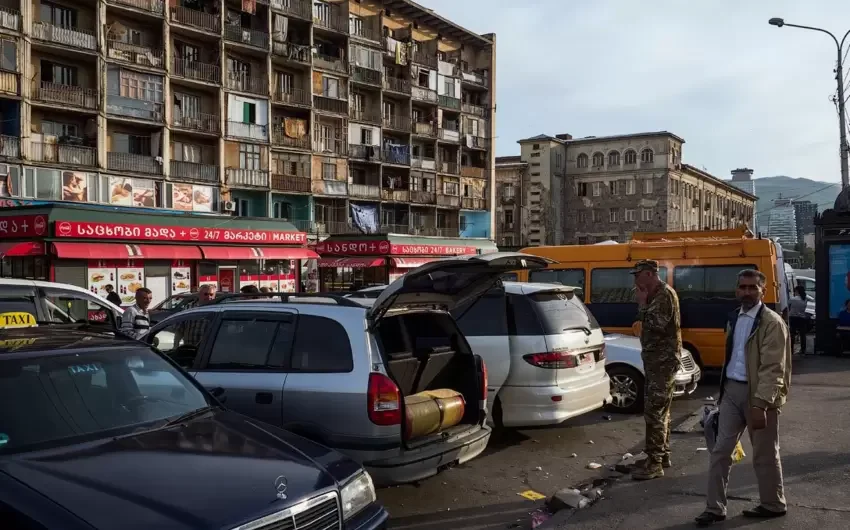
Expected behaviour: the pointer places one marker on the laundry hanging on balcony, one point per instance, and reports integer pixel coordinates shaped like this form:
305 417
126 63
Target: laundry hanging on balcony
364 218
249 6
281 27
294 127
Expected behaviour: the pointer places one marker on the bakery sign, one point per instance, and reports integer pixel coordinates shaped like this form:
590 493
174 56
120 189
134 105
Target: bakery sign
23 226
87 230
385 248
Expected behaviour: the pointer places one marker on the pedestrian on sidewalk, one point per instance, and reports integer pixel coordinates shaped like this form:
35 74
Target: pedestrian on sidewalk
661 346
799 321
754 384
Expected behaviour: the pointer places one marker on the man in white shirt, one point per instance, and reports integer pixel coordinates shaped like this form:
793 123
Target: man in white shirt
754 383
136 321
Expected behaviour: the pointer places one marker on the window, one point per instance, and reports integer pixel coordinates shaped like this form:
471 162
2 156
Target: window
366 136
187 105
597 216
322 12
615 286
140 86
328 171
631 215
536 155
9 56
249 156
630 157
509 217
58 74
451 188
449 87
53 128
582 189
188 53
181 340
581 161
58 15
535 146
630 187
285 83
598 160
613 187
647 185
355 25
582 217
708 282
486 317
614 215
568 277
358 102
321 345
326 137
183 152
614 158
646 214
330 87
243 344
597 189
646 156
129 143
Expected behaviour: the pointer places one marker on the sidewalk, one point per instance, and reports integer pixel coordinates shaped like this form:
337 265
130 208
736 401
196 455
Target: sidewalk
815 449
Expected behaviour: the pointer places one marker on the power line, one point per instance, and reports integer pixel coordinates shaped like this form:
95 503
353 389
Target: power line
798 198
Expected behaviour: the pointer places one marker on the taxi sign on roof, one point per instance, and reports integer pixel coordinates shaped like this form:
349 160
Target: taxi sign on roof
17 320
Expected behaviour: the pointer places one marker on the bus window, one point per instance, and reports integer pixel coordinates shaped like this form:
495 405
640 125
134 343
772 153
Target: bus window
615 286
568 277
708 282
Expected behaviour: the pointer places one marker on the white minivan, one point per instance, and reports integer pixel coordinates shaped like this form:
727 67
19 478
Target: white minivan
544 350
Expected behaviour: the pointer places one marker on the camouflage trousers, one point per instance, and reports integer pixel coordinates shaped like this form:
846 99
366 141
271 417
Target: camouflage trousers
658 397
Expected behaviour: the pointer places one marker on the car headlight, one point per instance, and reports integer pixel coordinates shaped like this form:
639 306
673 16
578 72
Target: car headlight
357 494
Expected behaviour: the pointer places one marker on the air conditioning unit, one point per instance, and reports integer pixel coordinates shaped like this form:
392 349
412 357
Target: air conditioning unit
228 206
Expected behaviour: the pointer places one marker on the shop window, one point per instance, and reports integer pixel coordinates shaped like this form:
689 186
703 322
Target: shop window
243 344
321 345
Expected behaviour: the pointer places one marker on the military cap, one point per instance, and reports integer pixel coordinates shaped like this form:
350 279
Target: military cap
645 265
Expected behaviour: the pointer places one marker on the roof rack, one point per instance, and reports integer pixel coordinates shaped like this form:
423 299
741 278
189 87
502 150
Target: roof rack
285 298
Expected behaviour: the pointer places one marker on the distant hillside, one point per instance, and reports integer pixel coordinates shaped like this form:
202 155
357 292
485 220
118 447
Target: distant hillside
769 188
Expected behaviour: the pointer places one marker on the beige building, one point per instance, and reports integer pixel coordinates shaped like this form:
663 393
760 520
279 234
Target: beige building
511 210
295 109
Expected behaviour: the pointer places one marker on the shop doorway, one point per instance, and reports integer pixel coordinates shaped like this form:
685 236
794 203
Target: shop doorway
227 279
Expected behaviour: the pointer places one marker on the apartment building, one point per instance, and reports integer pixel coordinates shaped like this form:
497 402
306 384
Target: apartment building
342 116
511 211
742 178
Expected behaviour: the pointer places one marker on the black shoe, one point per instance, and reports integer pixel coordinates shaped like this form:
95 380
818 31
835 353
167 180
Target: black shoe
665 462
760 512
708 519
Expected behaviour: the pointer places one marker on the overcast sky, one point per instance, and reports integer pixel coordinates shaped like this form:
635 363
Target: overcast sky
739 91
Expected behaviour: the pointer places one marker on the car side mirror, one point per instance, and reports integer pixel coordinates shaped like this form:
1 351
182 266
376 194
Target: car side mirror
218 393
155 342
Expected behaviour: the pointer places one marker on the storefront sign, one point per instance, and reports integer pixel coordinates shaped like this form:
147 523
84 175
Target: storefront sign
385 248
85 230
23 226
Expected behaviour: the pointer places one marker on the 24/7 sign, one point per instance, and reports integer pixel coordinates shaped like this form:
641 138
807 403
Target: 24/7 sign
87 230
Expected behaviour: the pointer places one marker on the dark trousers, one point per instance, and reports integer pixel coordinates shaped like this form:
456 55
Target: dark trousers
799 330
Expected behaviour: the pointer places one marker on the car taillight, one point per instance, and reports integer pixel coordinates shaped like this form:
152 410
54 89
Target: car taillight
483 380
384 400
600 355
552 359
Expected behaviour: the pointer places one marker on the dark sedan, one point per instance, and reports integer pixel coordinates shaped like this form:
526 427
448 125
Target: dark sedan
174 304
106 433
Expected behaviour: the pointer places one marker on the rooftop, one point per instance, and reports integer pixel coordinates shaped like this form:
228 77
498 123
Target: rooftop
445 27
719 182
627 136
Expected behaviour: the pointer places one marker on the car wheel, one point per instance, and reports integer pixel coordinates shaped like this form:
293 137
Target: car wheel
627 385
497 414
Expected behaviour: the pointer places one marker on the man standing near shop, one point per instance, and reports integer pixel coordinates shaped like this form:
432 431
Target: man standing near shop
191 331
661 346
111 295
754 383
136 321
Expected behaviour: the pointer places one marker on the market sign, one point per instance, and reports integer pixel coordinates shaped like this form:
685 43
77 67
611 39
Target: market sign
23 226
87 230
385 248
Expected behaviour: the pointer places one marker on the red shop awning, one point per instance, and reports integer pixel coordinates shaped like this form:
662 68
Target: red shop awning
169 252
287 253
231 253
21 248
354 263
97 251
412 263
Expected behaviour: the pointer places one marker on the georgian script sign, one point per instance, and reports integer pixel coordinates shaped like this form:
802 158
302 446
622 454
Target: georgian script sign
14 226
385 248
86 230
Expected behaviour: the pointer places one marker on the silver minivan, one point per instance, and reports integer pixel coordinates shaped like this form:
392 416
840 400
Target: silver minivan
338 373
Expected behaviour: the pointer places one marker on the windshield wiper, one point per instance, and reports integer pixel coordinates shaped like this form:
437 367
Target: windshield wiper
188 415
582 328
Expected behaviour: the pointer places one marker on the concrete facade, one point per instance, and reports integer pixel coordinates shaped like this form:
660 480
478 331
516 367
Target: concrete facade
511 212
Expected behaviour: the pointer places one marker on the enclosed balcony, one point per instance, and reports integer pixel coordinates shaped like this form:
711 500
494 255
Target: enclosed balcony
153 7
196 71
194 171
447 167
330 104
369 153
421 93
329 62
54 153
296 53
477 78
473 203
451 201
10 146
473 172
291 96
133 163
425 128
81 39
475 110
291 183
331 146
251 131
397 85
135 54
246 178
244 82
246 36
10 83
329 17
397 122
423 197
10 18
366 76
476 142
423 162
66 95
196 19
449 102
197 122
365 191
449 132
302 9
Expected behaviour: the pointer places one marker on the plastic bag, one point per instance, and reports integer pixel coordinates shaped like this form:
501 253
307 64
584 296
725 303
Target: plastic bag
709 421
738 454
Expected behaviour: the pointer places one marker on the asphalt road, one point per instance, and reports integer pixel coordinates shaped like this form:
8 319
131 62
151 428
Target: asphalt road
484 493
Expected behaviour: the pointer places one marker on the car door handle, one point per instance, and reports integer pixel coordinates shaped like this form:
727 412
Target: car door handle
264 398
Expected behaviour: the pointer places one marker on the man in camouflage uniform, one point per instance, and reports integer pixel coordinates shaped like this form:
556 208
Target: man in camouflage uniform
661 346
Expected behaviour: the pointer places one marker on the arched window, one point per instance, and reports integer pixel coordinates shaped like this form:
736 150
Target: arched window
614 158
646 156
581 160
598 160
630 157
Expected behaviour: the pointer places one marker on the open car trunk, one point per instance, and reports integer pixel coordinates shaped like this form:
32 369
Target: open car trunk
425 350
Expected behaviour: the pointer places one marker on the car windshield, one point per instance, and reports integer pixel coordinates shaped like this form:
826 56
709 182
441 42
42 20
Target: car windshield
172 302
560 311
64 399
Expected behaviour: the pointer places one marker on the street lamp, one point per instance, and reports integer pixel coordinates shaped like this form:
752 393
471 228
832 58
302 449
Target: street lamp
844 148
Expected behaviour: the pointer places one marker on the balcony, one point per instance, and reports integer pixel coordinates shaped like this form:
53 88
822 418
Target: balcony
366 191
423 162
423 197
364 115
246 178
475 110
452 201
421 93
397 123
338 188
426 59
200 122
476 142
473 203
249 37
394 84
331 146
204 173
133 54
360 74
53 153
10 146
71 37
72 96
425 128
291 96
328 62
299 8
448 134
279 138
252 131
10 19
334 22
134 108
450 168
396 228
370 153
298 53
207 73
397 156
291 183
10 83
156 7
475 78
196 19
133 163
447 231
332 105
395 195
449 102
473 172
247 83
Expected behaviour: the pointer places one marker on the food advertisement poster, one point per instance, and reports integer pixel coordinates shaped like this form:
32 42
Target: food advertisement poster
191 198
270 282
129 280
99 278
181 280
249 279
132 192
